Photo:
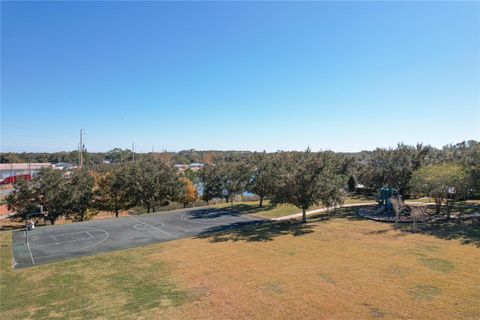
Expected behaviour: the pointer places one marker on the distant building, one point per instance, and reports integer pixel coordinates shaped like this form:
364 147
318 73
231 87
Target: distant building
196 166
181 167
63 165
17 169
193 166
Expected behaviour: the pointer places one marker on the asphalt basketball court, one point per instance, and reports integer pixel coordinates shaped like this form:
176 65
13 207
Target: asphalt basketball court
62 242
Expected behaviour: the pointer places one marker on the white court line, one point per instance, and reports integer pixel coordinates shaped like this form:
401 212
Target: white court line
83 248
146 226
153 227
31 256
74 240
36 238
56 243
90 235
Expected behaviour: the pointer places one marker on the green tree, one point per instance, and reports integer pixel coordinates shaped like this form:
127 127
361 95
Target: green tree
51 191
352 184
118 155
446 183
111 191
467 154
22 200
234 176
264 176
306 179
9 157
211 182
80 194
193 176
393 167
154 182
333 196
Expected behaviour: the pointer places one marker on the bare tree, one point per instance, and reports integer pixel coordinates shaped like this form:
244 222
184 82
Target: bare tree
398 205
418 213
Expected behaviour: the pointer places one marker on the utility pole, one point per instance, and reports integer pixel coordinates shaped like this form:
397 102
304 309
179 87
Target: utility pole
81 147
133 151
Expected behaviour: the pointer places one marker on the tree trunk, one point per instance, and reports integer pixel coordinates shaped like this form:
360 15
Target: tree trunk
231 201
304 215
261 201
116 208
438 203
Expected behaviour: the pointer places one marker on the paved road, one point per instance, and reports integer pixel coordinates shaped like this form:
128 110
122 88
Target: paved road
55 243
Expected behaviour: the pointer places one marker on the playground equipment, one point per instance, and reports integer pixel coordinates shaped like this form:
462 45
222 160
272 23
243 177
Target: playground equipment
383 198
385 211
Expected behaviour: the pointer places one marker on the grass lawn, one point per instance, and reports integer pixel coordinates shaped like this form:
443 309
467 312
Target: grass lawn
341 268
267 211
270 211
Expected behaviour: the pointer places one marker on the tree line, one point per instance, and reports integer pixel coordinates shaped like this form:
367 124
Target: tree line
302 179
117 155
298 178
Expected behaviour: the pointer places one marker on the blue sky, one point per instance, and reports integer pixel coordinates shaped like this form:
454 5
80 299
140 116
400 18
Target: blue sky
238 75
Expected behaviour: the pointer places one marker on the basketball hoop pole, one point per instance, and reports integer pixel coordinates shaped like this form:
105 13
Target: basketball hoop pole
26 227
26 231
26 223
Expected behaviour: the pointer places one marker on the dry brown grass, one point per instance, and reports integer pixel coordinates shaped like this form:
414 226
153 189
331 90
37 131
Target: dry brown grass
338 270
328 269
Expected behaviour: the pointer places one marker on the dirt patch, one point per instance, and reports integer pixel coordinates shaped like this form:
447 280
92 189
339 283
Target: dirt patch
441 265
272 288
424 292
327 278
376 313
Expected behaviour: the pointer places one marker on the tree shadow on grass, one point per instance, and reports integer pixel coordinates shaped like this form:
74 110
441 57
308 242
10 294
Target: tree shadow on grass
466 231
242 208
349 213
11 227
267 230
255 231
235 210
210 213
